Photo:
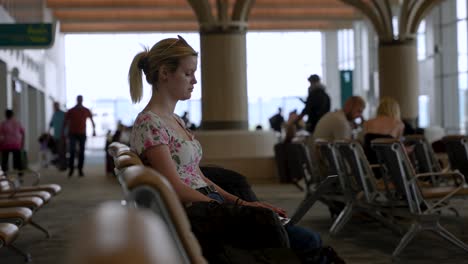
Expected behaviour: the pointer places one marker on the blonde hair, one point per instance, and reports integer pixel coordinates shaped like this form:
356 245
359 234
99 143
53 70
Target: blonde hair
389 107
166 52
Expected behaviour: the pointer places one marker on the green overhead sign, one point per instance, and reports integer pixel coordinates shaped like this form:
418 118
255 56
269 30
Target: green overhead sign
38 35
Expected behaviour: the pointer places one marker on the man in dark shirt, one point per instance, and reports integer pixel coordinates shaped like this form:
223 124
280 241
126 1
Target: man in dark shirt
75 122
317 103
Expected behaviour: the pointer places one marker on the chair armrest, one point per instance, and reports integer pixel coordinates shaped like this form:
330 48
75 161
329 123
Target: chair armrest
12 187
36 176
454 174
443 174
374 166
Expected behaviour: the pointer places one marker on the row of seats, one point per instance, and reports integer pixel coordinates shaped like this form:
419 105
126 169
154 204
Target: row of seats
420 198
18 205
149 227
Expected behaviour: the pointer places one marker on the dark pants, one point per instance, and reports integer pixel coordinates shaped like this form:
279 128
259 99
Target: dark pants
81 140
17 164
61 148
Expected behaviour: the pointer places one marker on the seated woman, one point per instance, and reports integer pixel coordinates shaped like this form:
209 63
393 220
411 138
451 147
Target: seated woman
163 142
387 124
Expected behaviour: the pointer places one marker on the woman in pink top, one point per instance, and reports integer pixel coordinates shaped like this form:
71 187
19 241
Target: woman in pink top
163 142
11 140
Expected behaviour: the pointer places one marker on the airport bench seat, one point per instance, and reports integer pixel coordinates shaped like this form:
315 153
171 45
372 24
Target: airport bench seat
8 234
120 235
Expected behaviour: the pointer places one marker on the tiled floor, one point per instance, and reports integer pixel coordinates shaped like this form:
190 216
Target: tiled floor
361 240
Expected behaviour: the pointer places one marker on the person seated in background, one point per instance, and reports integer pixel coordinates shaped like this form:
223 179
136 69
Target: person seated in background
293 126
122 135
386 124
340 124
163 142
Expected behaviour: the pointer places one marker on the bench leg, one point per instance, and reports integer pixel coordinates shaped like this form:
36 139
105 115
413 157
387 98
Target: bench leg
25 255
36 225
450 237
414 229
342 219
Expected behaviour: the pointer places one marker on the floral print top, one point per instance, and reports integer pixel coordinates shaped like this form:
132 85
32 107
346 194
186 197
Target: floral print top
149 130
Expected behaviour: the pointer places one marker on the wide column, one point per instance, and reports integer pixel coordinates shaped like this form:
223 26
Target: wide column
398 63
398 74
224 133
4 87
224 78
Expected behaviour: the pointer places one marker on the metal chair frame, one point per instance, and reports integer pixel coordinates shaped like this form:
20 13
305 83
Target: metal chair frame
457 151
426 160
424 213
357 175
314 192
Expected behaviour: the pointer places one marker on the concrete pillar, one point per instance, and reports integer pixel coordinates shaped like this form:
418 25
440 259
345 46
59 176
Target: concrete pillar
224 131
224 78
32 123
398 70
428 71
397 52
331 74
446 66
3 87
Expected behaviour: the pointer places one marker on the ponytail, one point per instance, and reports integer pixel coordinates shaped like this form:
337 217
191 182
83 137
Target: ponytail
135 77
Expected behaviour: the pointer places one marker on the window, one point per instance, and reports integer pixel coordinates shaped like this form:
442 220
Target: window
461 9
462 62
346 49
421 41
423 111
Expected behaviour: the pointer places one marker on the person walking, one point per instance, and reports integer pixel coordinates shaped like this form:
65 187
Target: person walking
317 103
56 123
11 141
75 122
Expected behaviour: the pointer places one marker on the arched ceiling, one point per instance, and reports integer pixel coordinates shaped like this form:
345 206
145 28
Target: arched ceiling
80 16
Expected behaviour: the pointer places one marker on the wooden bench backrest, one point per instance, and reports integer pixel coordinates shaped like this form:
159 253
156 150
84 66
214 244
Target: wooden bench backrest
121 235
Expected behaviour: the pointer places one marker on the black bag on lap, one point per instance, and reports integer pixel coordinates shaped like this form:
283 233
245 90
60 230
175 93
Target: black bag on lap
244 227
231 181
231 255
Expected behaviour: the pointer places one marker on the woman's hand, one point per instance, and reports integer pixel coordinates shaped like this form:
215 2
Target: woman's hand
279 211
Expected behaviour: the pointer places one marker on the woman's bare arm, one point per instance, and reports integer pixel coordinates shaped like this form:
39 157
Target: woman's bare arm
159 158
227 196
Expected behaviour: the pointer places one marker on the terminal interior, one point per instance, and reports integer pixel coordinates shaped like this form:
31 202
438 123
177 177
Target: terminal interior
413 51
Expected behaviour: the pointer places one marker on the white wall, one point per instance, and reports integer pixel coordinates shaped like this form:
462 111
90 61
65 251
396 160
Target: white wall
42 75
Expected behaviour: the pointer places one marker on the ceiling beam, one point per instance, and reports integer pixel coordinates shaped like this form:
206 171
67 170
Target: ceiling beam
178 15
128 27
184 3
193 27
153 14
115 3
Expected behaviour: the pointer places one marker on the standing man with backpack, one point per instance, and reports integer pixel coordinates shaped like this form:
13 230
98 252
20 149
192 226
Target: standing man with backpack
317 103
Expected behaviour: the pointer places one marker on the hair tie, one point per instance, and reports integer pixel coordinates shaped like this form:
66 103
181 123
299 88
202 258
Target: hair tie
143 63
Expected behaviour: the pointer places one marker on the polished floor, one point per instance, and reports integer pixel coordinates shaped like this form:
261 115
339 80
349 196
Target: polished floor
361 240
